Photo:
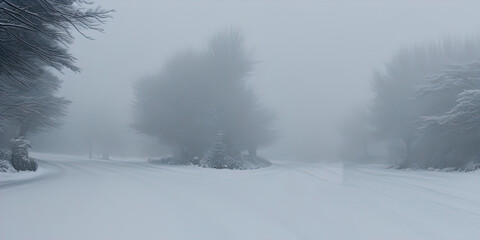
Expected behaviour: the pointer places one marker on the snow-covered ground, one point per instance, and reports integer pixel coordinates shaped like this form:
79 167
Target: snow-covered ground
76 198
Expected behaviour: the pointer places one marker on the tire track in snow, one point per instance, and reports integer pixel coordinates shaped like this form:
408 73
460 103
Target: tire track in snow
405 220
348 185
420 189
323 179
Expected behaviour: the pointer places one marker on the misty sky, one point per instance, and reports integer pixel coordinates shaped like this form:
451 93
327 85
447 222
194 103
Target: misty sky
316 57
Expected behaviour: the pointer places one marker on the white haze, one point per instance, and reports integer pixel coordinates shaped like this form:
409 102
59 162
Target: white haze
315 59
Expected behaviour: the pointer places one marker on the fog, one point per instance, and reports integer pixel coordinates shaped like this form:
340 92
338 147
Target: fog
315 63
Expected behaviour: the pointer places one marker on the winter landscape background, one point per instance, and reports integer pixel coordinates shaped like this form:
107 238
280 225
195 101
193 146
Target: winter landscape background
320 52
185 119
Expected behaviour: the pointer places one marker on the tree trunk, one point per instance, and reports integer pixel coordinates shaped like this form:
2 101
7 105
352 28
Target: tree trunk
407 161
22 132
183 151
90 150
366 150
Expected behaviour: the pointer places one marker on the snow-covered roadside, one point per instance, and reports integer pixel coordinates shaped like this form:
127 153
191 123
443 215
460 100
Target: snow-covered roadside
13 177
96 199
17 177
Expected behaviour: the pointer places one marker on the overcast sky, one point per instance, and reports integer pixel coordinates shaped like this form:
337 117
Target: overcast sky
316 57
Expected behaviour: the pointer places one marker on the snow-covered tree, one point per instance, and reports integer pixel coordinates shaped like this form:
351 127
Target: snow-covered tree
171 106
199 93
454 79
217 156
452 137
465 115
20 160
395 110
39 109
47 108
34 37
36 33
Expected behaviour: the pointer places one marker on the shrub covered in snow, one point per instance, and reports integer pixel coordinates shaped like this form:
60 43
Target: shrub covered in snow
227 162
5 164
20 159
244 163
169 160
471 166
217 157
5 154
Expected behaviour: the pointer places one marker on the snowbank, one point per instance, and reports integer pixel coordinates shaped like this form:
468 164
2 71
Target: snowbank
96 199
245 163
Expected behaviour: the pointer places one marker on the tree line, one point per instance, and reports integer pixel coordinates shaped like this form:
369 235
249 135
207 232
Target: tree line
425 109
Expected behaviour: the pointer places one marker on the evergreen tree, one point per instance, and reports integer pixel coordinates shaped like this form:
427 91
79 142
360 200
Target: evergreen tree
396 111
20 160
217 157
450 139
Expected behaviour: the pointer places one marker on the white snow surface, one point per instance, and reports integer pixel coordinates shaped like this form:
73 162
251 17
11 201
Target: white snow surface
76 198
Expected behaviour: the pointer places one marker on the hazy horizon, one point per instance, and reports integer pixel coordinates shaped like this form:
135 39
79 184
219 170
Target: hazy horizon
315 58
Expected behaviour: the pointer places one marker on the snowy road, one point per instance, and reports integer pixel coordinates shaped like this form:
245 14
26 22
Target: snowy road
74 198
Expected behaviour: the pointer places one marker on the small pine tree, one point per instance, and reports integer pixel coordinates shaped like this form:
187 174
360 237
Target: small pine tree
20 159
217 157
